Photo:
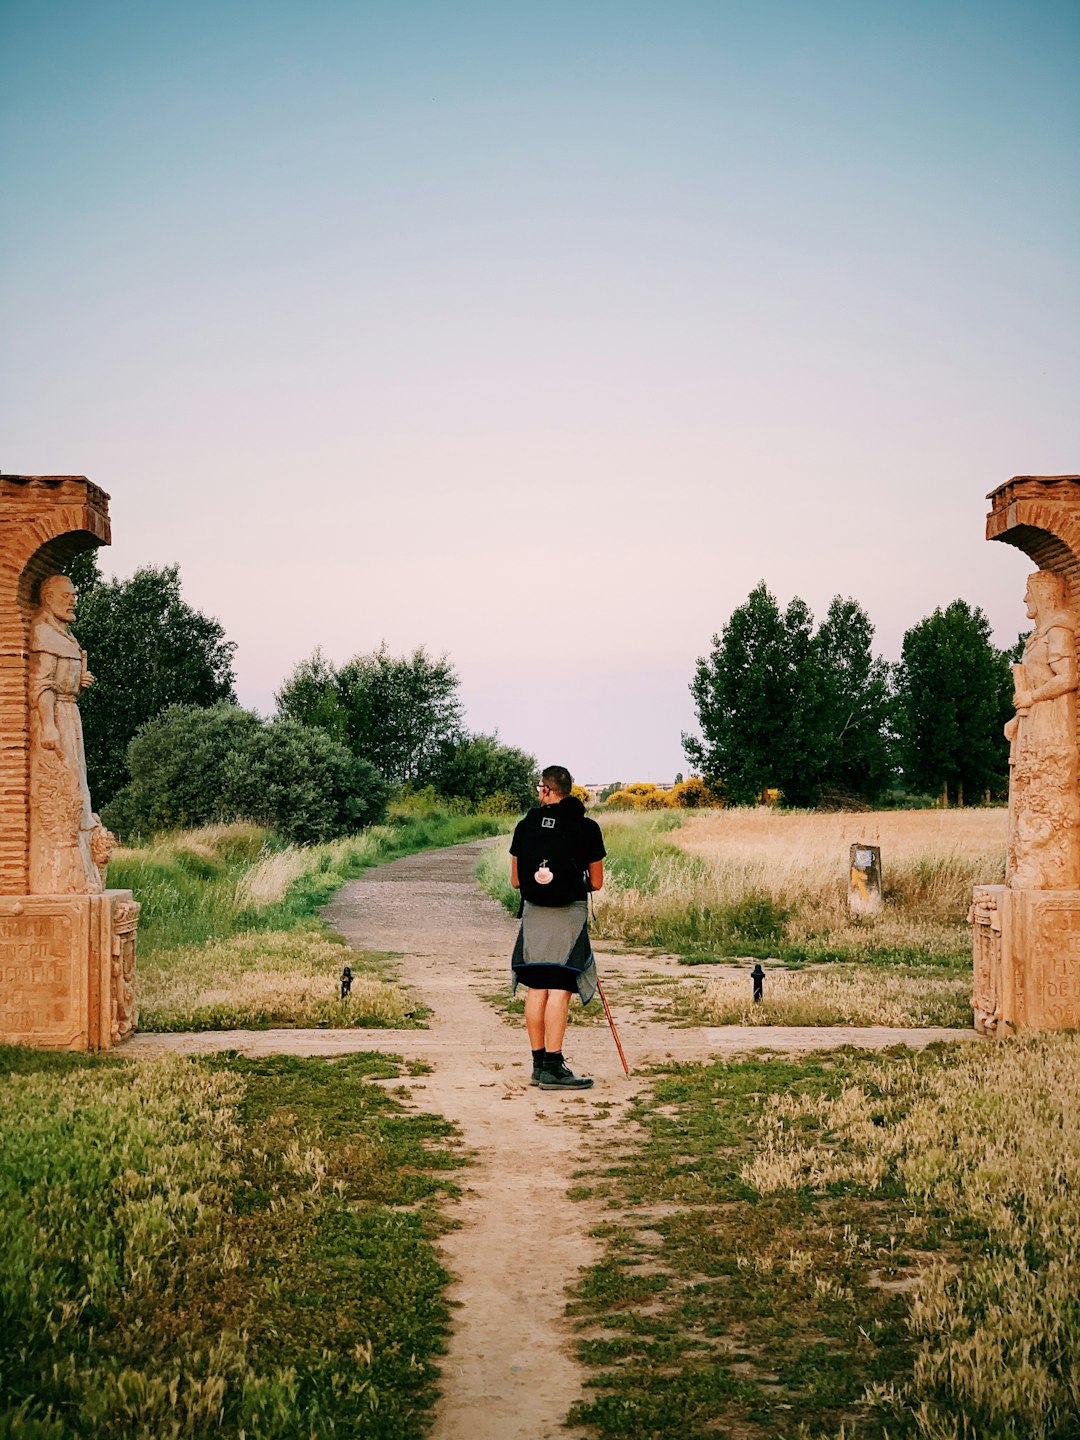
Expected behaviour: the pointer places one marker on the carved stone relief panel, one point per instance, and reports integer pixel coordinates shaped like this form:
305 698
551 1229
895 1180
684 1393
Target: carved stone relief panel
44 960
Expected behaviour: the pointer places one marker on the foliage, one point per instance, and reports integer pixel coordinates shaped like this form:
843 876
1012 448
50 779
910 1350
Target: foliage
192 767
217 1248
848 741
580 793
478 768
394 712
953 697
148 649
609 790
299 782
748 694
180 763
780 706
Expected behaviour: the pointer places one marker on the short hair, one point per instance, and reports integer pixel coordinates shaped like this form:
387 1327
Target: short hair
559 779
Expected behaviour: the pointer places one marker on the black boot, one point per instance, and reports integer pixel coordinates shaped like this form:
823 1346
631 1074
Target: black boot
538 1064
556 1075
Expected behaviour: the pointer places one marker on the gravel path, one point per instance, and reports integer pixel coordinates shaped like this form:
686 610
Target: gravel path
508 1373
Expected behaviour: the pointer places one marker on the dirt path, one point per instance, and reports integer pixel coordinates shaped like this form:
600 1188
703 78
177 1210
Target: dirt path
508 1373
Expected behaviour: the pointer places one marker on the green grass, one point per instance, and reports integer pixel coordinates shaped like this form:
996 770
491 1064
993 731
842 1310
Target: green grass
233 1248
230 934
858 1246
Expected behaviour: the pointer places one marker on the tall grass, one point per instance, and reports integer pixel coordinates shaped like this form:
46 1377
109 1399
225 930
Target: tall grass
229 934
991 1141
766 883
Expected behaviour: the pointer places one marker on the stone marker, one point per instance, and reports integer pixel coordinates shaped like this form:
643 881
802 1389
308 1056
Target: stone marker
67 945
864 880
1026 939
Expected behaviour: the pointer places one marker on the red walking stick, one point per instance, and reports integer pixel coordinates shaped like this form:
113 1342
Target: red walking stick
611 1022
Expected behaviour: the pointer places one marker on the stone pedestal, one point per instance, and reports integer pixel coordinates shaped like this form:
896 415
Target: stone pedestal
1027 960
67 970
67 945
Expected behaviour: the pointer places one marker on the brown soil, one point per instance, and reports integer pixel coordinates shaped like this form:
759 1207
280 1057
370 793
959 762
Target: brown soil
508 1373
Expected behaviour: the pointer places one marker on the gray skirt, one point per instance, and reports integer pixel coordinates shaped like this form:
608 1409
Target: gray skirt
553 951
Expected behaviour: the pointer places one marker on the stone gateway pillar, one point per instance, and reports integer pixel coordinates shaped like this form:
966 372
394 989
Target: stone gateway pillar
67 944
1027 932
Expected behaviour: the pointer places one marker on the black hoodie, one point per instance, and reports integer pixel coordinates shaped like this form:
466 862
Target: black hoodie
564 837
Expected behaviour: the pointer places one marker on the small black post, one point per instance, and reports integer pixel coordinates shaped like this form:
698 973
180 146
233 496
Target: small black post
757 975
346 982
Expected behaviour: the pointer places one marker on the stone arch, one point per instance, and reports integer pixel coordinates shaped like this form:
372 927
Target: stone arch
45 520
1040 515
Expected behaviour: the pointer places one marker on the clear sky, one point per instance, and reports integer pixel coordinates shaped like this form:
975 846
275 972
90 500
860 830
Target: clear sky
540 333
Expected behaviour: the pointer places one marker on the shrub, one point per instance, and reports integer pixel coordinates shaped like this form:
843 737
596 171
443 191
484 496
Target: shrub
191 767
580 793
304 785
640 796
501 803
178 763
694 794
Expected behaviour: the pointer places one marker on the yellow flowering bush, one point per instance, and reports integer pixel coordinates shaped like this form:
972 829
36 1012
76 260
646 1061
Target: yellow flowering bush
639 796
694 794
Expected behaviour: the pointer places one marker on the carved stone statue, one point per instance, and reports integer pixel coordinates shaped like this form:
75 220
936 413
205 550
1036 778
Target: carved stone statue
69 846
1044 801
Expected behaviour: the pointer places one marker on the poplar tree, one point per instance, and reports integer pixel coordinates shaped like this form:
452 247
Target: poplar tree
783 707
953 696
746 692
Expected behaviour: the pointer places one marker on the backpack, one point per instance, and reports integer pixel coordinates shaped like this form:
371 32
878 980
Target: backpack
557 842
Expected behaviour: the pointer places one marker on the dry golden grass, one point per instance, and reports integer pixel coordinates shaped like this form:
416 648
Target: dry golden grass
850 995
993 1142
275 977
798 839
768 882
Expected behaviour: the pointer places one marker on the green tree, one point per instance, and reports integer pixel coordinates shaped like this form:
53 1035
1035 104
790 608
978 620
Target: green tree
953 696
395 712
847 730
148 649
782 706
748 696
479 767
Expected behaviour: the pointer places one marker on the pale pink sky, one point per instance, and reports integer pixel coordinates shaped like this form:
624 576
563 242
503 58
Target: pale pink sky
540 335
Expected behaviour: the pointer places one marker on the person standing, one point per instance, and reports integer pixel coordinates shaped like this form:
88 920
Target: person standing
556 859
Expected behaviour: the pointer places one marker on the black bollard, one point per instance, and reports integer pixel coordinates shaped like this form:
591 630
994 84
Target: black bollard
346 982
757 975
